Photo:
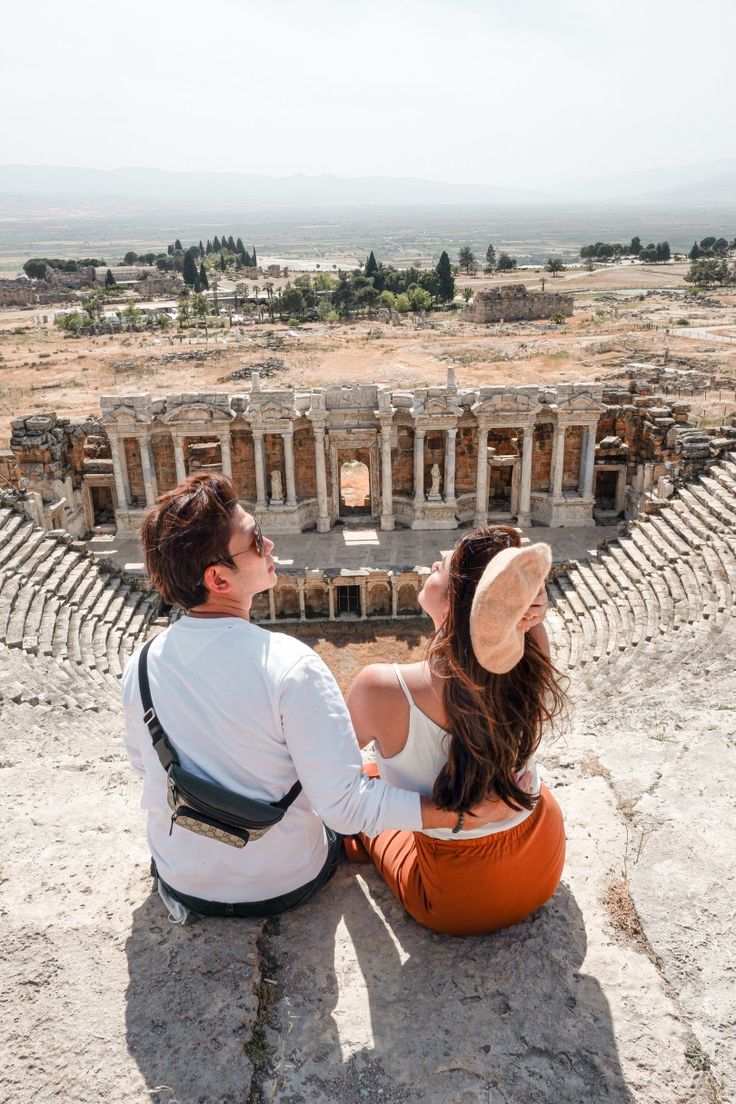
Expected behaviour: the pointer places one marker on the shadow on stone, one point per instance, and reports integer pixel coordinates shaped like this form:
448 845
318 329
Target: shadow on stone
191 1005
379 1008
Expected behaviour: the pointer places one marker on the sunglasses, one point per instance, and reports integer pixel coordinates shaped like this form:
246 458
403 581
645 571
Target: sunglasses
257 544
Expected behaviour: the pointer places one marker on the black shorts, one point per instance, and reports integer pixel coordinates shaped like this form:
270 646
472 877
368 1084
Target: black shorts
274 905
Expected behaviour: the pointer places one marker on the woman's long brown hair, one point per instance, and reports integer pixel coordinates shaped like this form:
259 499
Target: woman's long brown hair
495 721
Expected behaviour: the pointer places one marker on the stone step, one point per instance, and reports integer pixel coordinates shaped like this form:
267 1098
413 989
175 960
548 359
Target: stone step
48 624
687 528
8 597
34 541
688 569
630 567
84 584
50 566
661 525
11 523
620 610
38 559
572 624
723 497
598 639
15 630
60 637
34 620
646 541
607 606
18 539
712 503
725 474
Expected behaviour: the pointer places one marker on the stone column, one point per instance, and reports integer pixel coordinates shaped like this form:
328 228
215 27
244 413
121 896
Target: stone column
323 509
558 461
149 475
394 597
418 467
271 605
481 481
523 516
387 487
225 454
450 466
302 602
288 437
363 599
331 599
181 468
260 473
587 463
118 470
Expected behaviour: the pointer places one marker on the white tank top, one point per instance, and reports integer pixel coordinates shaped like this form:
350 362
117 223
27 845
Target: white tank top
422 758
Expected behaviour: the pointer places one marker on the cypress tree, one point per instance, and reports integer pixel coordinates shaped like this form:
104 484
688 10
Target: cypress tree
446 281
208 248
201 248
216 247
239 247
694 252
189 271
255 259
371 265
178 245
231 244
203 281
223 263
247 259
109 279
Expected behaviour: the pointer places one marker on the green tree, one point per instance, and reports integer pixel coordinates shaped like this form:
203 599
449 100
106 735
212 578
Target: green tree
694 252
506 263
178 246
420 299
110 280
131 314
343 297
402 303
554 265
367 297
203 281
490 265
720 247
183 310
292 302
467 294
706 244
189 272
466 260
648 255
710 270
371 265
201 311
388 299
35 268
216 247
239 247
663 251
445 279
71 322
130 257
635 247
208 248
268 288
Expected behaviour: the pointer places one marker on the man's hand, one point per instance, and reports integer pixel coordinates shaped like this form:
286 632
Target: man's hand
493 809
537 611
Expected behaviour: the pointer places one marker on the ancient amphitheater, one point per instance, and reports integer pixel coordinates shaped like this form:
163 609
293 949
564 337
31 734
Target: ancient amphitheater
622 989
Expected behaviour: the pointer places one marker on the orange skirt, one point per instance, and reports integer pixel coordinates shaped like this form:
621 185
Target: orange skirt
473 886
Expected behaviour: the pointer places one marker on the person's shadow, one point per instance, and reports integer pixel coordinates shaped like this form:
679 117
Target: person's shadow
371 1007
390 1011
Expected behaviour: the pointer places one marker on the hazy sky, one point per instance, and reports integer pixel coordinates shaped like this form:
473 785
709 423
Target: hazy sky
517 92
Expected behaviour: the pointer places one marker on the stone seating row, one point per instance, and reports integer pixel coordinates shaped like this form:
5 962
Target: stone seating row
670 579
55 601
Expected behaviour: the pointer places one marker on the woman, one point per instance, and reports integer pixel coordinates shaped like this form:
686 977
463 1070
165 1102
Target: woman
448 727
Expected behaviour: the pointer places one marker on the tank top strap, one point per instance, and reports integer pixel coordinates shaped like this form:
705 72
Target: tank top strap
403 685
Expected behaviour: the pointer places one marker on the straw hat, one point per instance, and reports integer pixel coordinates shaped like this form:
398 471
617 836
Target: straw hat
506 589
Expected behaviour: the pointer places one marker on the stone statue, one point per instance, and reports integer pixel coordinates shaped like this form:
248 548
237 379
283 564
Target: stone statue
277 490
434 490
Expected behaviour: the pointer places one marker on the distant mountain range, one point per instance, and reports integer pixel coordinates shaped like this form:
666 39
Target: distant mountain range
712 183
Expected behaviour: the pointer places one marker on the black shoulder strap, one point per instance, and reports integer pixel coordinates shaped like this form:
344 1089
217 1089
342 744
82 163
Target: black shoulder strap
161 744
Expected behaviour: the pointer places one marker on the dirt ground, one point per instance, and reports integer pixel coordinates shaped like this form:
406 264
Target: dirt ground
622 314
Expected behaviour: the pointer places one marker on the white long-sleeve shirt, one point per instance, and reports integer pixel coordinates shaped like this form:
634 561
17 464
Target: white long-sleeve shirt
252 710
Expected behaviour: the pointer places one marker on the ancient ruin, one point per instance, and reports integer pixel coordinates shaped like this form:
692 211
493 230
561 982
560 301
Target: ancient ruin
513 303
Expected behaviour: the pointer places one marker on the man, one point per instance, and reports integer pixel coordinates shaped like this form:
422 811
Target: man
252 711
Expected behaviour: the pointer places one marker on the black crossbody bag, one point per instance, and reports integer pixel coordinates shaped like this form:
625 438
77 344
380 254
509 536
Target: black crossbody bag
204 807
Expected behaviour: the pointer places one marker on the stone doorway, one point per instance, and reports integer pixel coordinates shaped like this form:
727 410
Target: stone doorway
103 507
500 483
348 601
609 491
355 498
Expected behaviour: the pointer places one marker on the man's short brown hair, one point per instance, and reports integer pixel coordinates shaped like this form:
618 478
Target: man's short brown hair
188 529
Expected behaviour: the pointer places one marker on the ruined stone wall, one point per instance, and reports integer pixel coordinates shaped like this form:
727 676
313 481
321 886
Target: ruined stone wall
305 472
574 437
402 461
515 303
162 448
135 470
466 460
542 456
243 461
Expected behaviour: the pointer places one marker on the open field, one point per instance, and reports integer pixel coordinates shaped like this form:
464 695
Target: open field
40 369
